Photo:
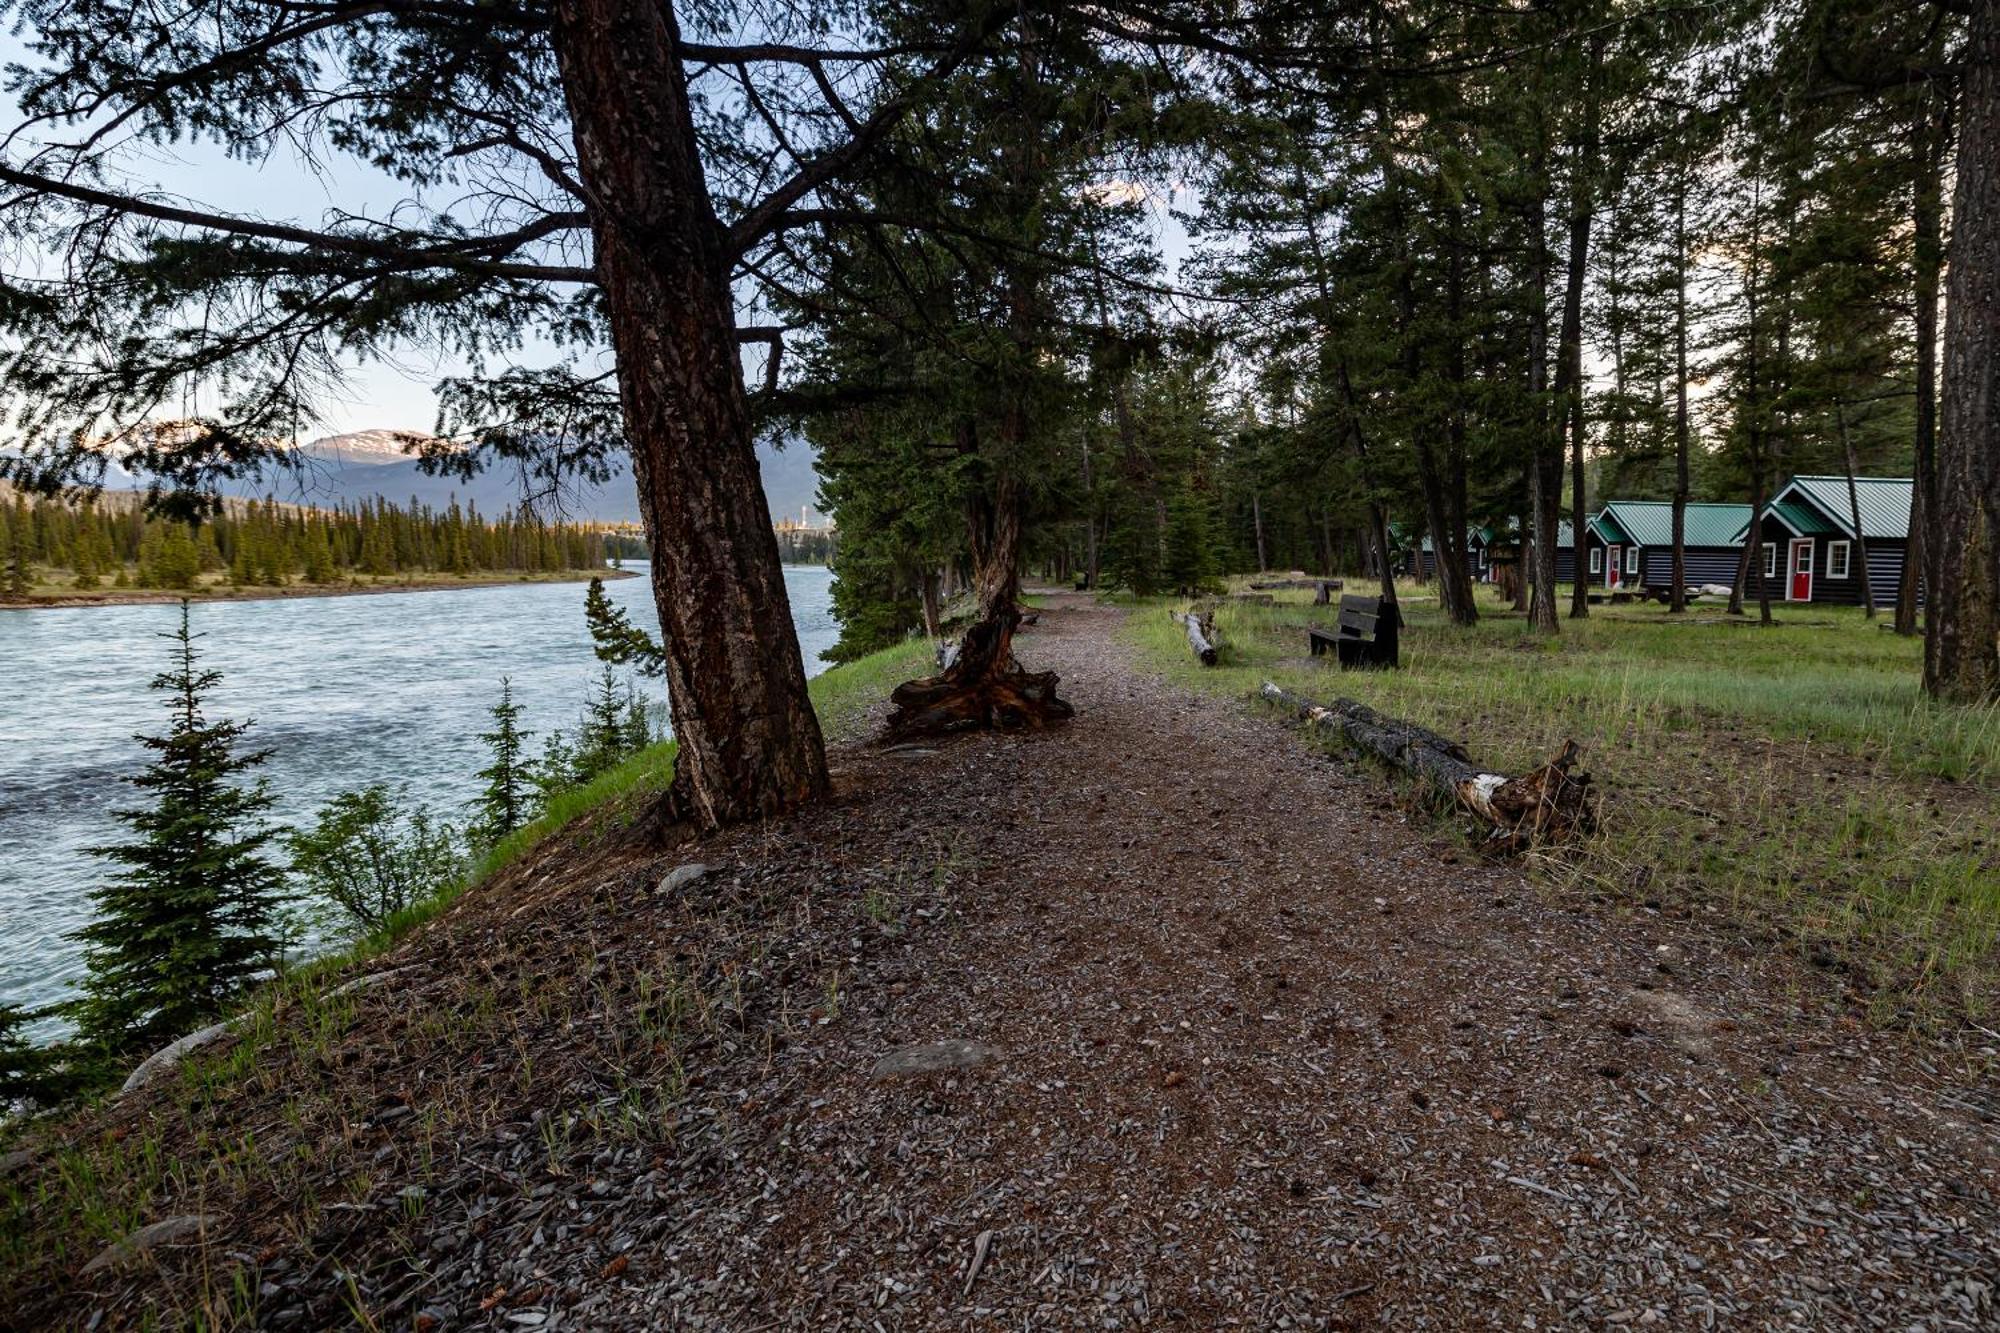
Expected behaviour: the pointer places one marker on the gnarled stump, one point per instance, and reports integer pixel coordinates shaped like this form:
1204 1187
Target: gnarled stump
1548 805
982 687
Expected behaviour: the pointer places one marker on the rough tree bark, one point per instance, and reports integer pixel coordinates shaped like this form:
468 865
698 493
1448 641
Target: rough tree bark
983 686
1962 618
750 744
1548 805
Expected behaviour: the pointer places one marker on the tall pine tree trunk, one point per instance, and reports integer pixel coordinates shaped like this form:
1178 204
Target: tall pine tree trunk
1962 618
1677 597
1569 372
749 743
1860 547
1933 132
1545 469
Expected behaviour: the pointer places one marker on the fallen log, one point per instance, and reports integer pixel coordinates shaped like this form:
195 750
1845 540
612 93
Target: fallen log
1550 804
1201 635
1273 585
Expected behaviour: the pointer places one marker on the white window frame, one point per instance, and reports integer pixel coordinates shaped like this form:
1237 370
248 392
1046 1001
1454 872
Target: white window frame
1770 560
1631 560
1803 544
1597 559
1838 560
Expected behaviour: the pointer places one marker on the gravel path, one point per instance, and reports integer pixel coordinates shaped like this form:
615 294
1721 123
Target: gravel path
1165 1020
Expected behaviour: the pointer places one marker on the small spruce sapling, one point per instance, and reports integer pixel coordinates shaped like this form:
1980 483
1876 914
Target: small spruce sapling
507 801
189 919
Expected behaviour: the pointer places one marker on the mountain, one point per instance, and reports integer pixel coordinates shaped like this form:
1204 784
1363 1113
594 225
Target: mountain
344 469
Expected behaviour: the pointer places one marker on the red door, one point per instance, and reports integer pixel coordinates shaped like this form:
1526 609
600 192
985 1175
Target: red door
1802 570
1612 558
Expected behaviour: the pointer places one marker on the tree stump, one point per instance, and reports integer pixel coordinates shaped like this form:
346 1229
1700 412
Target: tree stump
983 687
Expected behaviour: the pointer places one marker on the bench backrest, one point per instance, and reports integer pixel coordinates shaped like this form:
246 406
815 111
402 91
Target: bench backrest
1358 615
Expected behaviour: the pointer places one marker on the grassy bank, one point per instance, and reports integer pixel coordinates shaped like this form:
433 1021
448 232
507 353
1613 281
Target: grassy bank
845 698
1793 776
101 1173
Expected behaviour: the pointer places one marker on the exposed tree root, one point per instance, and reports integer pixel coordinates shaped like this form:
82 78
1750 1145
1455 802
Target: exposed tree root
982 687
1550 804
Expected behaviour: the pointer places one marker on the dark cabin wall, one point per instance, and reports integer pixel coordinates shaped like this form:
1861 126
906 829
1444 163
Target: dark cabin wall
1430 560
1885 569
1705 564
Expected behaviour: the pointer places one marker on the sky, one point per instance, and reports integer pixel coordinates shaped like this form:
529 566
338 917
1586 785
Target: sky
396 393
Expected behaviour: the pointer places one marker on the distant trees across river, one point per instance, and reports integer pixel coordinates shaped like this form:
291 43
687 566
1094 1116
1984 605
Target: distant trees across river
50 545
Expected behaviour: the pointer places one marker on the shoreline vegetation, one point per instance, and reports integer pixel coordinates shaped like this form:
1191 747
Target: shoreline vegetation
57 596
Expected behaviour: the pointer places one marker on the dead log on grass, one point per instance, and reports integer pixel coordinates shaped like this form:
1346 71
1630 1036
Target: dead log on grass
1201 634
1550 804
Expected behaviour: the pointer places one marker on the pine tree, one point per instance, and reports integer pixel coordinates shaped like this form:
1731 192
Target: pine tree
616 639
504 804
17 566
601 742
188 920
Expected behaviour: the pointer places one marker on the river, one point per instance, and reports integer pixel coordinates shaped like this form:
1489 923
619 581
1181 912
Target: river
344 692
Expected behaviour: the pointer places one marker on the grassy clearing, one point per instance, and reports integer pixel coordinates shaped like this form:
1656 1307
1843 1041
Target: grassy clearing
1793 776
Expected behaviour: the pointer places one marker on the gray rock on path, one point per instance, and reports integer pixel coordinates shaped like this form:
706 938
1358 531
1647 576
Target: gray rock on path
681 876
936 1057
19 1158
168 1231
164 1059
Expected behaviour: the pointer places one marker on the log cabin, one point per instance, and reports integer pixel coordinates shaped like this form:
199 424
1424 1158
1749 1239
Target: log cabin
1637 536
1812 551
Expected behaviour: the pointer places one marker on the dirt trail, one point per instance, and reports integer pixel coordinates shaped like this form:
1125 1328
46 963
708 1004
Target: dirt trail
1269 1056
1235 1046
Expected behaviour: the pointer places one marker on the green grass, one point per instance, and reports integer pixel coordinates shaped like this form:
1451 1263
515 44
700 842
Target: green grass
1791 775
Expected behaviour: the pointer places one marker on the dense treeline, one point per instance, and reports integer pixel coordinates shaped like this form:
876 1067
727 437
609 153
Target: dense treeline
267 544
1680 258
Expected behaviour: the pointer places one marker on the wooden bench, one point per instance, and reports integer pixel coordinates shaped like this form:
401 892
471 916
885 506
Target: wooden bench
1362 637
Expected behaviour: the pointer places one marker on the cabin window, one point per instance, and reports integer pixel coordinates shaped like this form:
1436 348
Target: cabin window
1597 559
1836 560
1631 560
1770 560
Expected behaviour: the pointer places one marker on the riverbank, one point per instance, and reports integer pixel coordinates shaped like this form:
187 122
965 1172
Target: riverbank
1158 1018
48 596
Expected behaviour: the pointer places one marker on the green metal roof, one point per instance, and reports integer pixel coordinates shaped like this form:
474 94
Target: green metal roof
1607 529
1803 518
1651 522
1884 501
